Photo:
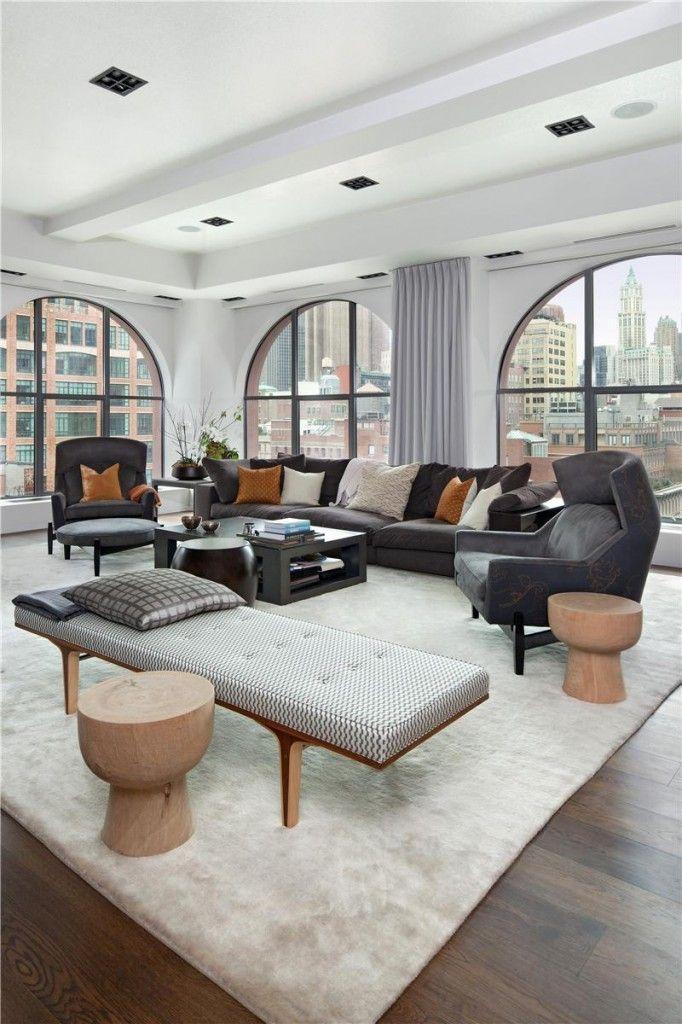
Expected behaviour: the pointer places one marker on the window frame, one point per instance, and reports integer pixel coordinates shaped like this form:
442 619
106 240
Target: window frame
588 389
293 395
40 398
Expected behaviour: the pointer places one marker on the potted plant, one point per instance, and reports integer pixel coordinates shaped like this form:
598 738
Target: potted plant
213 438
185 433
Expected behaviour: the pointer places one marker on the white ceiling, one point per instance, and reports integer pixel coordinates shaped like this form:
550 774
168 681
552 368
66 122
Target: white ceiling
216 72
490 150
256 111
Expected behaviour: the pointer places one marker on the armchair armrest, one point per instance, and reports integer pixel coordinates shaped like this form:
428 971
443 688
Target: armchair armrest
148 503
204 496
58 501
497 542
522 586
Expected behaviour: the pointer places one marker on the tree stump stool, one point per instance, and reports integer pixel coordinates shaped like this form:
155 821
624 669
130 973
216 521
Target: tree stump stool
595 628
142 733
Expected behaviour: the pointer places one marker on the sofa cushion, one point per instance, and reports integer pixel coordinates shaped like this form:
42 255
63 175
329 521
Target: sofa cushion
259 485
350 481
301 488
225 476
385 489
418 535
338 518
333 470
104 486
443 477
421 503
451 503
526 497
509 477
292 461
106 509
254 510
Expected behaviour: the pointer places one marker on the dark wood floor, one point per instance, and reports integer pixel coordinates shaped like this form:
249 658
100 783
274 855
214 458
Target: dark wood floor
585 927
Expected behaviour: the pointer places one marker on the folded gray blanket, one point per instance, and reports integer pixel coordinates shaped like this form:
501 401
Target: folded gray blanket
50 603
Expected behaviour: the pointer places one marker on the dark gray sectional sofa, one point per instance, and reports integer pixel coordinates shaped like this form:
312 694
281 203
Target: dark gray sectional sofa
419 542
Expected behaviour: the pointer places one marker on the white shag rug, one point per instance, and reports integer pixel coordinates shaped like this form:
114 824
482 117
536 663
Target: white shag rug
328 922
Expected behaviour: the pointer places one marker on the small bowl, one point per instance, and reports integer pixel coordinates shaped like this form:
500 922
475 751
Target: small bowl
210 525
190 522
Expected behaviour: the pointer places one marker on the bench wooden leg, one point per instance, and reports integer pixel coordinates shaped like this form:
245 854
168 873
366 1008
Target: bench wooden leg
290 753
71 668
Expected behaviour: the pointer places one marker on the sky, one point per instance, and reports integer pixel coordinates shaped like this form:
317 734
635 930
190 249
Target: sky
661 278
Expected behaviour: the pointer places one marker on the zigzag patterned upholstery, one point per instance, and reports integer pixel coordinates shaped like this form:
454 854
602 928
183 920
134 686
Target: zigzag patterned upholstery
369 698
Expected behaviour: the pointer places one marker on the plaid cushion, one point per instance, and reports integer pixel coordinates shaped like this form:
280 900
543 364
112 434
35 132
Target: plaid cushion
150 598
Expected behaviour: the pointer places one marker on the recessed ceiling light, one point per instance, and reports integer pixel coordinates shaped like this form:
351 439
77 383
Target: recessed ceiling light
368 277
571 126
120 82
189 227
640 108
501 255
357 183
216 222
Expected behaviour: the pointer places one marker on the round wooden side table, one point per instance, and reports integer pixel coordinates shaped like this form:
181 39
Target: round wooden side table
227 560
142 733
595 628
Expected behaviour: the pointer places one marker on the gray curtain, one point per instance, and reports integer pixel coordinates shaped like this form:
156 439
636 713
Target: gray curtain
429 385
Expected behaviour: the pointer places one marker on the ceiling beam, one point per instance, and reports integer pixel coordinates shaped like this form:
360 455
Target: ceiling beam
625 42
453 225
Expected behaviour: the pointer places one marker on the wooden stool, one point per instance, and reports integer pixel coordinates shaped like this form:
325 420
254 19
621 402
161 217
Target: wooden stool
595 628
142 733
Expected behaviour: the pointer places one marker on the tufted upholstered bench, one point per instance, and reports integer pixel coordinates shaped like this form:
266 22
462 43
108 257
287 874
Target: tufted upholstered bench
309 684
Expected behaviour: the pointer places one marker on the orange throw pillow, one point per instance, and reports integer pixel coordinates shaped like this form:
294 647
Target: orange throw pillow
259 485
452 500
102 486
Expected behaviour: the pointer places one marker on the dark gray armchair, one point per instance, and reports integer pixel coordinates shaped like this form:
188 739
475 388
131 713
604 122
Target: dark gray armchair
603 541
99 453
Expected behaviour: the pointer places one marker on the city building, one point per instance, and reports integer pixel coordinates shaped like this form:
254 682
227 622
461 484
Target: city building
547 353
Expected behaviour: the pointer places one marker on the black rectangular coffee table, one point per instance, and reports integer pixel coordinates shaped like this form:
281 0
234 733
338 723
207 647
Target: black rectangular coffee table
274 586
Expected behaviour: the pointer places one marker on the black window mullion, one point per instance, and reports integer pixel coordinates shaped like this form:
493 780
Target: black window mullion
39 401
352 407
295 410
106 348
590 403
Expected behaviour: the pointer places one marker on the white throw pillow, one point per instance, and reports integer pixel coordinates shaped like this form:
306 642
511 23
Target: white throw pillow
385 489
477 516
301 488
349 482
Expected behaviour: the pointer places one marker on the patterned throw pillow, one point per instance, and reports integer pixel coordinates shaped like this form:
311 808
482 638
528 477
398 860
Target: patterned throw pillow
261 486
452 500
102 486
385 489
150 598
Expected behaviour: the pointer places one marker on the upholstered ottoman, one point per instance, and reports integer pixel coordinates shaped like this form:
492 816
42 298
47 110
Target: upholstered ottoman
105 536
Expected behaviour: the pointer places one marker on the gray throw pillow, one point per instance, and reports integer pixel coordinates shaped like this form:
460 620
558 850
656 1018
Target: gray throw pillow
384 489
150 598
225 476
526 497
511 477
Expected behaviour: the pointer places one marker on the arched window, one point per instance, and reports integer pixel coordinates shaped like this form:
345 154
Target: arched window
71 368
320 383
597 363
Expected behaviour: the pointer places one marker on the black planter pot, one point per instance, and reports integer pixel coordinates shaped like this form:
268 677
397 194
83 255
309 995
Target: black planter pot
183 472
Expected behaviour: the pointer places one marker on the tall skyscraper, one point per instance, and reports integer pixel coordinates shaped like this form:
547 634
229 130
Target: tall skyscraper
546 351
631 318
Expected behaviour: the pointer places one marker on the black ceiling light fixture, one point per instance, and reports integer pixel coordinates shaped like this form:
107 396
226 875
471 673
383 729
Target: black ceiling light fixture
120 82
369 277
501 255
168 298
14 273
571 126
235 298
357 183
216 222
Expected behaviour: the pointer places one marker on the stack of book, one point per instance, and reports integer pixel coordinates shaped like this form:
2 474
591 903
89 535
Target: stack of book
288 531
304 571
